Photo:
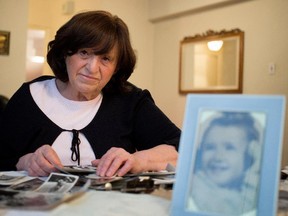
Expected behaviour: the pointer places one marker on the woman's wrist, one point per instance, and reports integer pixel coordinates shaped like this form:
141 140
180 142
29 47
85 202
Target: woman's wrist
157 158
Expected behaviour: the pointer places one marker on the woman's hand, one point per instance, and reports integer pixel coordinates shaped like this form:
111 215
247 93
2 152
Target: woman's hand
39 163
117 161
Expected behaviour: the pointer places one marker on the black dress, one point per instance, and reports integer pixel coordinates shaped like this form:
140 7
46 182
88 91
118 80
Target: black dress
129 120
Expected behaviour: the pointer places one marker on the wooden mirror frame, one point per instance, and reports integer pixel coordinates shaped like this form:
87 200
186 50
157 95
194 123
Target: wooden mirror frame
235 38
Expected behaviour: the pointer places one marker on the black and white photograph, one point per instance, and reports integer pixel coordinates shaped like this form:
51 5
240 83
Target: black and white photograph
30 185
8 179
28 200
58 183
229 156
226 172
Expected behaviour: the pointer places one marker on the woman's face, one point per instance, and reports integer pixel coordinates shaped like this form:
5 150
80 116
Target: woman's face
224 154
89 73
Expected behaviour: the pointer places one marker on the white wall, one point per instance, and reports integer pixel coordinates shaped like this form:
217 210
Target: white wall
265 25
165 9
13 18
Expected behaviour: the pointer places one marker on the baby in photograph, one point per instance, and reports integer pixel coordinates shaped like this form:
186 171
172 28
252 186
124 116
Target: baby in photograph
226 171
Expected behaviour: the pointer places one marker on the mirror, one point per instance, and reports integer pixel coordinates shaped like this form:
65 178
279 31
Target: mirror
212 62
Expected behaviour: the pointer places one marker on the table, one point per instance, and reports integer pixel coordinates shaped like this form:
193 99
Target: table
115 203
283 211
105 203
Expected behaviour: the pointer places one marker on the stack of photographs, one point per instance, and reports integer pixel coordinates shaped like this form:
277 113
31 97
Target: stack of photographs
34 193
17 190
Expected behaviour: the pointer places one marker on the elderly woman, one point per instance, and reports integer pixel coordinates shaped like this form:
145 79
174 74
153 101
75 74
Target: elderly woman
88 113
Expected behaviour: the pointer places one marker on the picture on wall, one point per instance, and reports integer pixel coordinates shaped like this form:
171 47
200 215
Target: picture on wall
4 42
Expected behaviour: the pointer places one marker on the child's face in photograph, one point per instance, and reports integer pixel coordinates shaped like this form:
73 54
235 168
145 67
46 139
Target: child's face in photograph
224 154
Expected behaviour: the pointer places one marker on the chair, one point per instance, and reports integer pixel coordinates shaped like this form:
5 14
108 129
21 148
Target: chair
3 102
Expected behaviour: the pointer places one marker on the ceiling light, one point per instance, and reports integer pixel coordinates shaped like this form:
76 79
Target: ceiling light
215 45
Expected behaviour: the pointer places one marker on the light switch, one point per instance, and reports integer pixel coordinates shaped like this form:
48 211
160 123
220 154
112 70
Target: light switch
271 68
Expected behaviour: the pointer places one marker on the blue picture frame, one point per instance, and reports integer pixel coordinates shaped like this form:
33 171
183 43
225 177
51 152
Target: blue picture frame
190 195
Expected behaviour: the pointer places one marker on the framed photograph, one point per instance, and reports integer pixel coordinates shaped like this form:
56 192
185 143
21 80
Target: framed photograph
229 156
4 42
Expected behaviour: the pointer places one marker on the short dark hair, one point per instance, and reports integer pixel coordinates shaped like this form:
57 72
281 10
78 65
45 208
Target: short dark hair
238 119
99 30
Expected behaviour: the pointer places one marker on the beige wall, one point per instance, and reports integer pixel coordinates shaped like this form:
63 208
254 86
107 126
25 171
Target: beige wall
265 25
157 43
13 18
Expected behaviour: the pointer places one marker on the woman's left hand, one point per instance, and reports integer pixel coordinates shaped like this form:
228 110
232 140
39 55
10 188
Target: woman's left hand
117 161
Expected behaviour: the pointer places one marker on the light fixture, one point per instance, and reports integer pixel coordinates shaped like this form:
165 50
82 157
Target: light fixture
215 45
37 59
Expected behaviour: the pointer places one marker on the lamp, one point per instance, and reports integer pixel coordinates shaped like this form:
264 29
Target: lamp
215 45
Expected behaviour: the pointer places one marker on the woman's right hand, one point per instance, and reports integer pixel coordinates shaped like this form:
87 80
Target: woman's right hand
39 163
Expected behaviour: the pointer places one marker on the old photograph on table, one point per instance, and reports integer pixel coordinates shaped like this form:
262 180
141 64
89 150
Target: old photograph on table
229 155
30 185
58 183
6 179
29 200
